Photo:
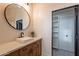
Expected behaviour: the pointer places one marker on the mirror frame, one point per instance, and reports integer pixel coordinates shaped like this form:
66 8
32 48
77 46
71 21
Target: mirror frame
8 21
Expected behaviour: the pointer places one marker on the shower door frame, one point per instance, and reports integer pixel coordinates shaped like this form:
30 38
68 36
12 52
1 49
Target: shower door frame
76 39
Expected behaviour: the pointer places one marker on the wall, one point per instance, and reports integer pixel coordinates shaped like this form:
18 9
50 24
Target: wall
42 21
7 33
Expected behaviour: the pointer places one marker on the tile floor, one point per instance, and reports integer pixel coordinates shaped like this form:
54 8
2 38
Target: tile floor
60 52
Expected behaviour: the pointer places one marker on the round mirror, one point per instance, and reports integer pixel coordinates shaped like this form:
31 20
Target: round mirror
17 16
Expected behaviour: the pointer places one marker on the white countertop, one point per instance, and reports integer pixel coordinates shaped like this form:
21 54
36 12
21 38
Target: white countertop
6 48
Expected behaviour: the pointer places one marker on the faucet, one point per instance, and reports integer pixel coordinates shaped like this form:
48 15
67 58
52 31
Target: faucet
22 34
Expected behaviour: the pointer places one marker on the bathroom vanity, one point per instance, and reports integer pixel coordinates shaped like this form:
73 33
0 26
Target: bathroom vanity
19 19
30 48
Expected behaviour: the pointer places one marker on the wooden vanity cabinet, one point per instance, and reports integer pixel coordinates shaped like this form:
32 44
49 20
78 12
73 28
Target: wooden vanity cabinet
33 49
14 53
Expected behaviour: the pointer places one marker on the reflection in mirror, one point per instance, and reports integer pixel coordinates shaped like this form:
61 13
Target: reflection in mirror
17 16
19 24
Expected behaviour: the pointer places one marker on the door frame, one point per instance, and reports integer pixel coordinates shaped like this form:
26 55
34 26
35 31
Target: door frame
76 39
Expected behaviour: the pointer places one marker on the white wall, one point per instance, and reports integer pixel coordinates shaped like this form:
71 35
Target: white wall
42 21
7 33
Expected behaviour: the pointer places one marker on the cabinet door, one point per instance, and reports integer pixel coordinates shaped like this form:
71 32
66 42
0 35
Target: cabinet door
37 48
14 53
26 51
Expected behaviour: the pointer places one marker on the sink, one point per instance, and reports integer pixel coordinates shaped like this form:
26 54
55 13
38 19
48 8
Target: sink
24 39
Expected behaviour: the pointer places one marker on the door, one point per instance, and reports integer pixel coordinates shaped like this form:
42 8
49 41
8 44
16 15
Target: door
67 29
64 20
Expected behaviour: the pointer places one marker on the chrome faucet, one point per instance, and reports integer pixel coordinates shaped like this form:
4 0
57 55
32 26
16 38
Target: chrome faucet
22 34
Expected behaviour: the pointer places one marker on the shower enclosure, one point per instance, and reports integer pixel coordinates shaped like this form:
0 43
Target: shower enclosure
65 31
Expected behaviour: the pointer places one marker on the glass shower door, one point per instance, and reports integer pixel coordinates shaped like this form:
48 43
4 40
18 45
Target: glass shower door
63 32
